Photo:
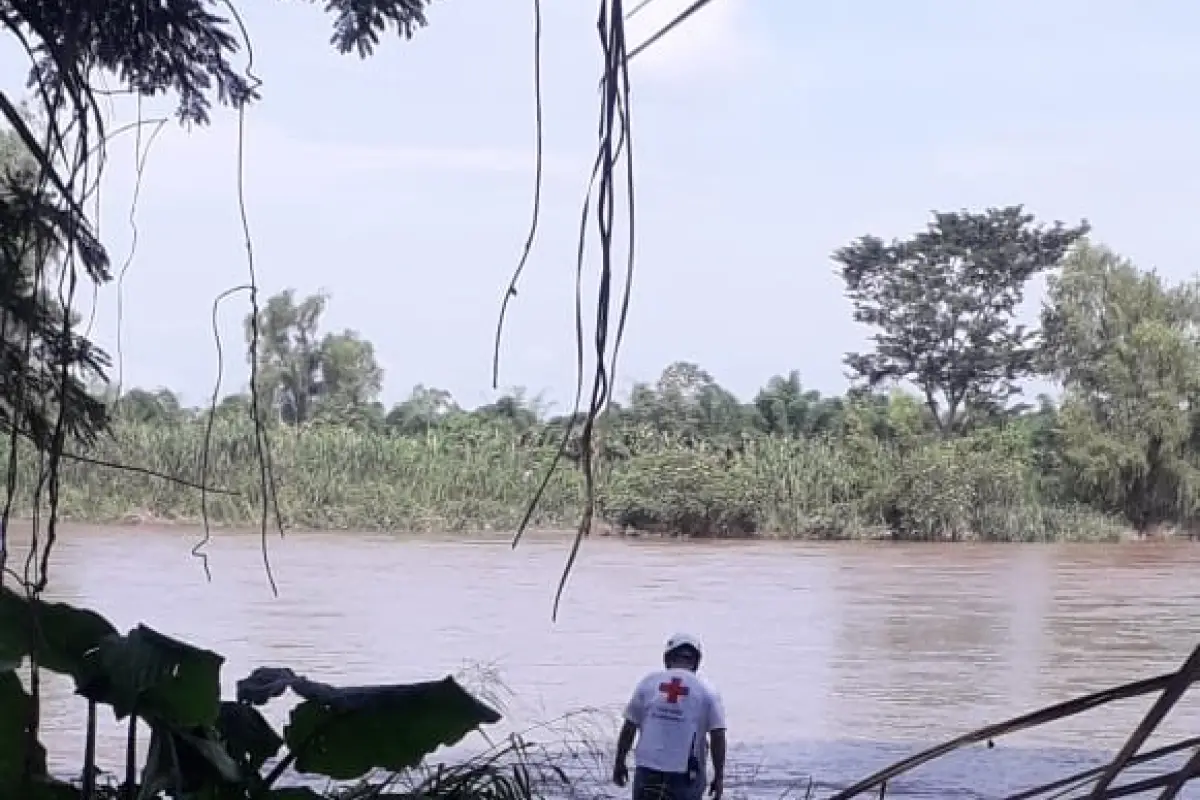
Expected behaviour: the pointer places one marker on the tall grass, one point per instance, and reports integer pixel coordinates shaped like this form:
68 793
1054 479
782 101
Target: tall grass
482 477
328 478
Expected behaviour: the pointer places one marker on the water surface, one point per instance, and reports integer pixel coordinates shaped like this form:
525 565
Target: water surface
832 658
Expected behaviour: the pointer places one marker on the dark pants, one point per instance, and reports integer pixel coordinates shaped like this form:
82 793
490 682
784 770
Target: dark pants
650 784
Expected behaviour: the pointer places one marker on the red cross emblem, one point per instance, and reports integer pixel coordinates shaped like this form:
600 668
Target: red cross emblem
674 689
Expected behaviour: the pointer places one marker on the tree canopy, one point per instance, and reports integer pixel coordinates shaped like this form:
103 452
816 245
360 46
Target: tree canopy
302 372
944 302
1126 347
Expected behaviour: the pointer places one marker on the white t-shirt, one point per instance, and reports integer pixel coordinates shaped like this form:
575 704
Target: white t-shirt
674 710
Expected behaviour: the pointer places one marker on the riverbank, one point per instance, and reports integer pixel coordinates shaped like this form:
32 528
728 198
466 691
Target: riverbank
481 478
1108 532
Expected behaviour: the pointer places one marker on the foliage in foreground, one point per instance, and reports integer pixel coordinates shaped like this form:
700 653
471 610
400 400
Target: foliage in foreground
203 747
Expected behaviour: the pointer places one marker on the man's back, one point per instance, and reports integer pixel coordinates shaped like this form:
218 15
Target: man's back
674 710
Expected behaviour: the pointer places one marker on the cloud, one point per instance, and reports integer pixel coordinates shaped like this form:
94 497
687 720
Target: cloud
717 40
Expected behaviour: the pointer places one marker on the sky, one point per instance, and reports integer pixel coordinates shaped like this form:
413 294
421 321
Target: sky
767 134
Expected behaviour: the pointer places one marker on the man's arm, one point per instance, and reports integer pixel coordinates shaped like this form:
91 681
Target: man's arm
635 712
717 742
625 741
716 739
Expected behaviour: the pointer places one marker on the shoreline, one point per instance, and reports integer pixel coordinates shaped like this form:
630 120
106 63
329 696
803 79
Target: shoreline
480 478
134 521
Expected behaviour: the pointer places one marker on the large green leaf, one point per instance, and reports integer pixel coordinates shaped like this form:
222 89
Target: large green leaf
193 762
62 633
161 678
345 733
247 735
16 706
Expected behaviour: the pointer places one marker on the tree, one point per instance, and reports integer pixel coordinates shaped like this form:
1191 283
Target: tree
1126 348
425 407
289 361
46 369
299 370
235 405
944 302
785 408
160 406
349 373
515 409
686 401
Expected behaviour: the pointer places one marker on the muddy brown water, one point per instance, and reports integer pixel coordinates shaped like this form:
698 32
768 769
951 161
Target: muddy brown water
833 659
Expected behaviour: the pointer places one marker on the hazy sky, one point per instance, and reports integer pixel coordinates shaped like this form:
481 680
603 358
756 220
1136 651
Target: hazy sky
768 133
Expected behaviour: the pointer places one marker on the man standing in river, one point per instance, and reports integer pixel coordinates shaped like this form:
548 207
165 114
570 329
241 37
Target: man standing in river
673 714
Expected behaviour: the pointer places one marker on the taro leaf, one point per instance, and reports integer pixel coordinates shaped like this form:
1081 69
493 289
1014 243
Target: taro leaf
203 762
192 762
162 678
264 684
248 737
345 733
14 736
67 633
158 772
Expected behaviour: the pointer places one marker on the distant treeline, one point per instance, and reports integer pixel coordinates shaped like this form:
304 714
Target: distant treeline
955 454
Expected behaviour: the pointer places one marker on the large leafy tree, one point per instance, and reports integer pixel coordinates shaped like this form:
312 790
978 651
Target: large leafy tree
686 401
425 407
943 304
300 370
160 406
785 407
1126 347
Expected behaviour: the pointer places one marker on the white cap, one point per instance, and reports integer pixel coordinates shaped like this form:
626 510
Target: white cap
683 640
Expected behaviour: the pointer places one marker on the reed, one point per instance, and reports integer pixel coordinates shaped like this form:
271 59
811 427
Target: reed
481 477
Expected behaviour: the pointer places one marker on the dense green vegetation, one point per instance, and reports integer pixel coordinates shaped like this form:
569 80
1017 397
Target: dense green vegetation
956 455
207 748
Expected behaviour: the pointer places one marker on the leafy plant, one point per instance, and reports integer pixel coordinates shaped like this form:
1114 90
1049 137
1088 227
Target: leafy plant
201 747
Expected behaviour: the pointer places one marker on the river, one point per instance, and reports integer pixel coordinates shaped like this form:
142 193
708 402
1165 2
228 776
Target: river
833 659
